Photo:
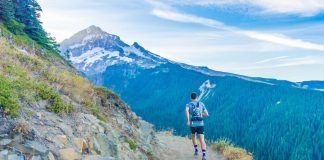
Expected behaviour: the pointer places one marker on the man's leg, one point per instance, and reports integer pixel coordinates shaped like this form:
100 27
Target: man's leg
203 145
194 142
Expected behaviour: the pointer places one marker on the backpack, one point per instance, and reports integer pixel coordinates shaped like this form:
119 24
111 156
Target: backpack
196 112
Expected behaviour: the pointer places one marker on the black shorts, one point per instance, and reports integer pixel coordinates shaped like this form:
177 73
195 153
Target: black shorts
198 130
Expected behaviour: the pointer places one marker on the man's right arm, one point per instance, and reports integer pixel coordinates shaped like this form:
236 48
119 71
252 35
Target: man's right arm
187 115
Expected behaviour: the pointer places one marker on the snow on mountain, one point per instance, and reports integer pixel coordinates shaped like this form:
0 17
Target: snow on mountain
92 50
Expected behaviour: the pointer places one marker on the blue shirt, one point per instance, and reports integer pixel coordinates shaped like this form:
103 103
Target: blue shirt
198 111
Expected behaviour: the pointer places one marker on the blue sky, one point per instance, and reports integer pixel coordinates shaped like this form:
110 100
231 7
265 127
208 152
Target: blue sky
262 38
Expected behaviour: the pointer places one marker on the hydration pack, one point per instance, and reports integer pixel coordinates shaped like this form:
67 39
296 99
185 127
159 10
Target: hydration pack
196 112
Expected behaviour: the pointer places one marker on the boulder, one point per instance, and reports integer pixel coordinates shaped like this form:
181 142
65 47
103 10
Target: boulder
15 157
96 157
69 154
61 139
4 154
81 145
37 147
50 156
36 158
5 142
104 146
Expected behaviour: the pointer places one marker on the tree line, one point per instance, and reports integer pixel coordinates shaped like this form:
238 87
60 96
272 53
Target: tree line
22 17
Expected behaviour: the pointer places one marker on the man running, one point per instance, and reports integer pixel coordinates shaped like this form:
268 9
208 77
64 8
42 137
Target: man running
195 111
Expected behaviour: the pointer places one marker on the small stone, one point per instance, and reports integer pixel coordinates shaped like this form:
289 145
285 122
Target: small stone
69 154
5 142
62 139
81 144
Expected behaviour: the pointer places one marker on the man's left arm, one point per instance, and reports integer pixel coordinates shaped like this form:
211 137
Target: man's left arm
205 112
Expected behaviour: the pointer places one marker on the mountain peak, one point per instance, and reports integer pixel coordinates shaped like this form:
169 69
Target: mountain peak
94 30
90 33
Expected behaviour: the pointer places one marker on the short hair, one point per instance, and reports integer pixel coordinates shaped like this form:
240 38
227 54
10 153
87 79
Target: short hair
193 95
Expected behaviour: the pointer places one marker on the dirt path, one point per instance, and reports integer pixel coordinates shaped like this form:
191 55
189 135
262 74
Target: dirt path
180 148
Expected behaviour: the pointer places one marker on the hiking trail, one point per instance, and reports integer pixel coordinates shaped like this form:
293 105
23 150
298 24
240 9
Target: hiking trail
180 148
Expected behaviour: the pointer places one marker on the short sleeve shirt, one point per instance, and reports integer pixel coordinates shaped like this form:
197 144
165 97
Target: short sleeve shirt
191 106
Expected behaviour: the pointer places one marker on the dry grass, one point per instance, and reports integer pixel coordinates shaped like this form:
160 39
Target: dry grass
225 147
43 78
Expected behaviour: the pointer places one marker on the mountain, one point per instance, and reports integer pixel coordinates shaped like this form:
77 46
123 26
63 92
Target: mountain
274 119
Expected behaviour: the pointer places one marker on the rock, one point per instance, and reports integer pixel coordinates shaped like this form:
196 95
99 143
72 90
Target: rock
40 148
62 139
15 157
5 142
6 126
66 129
81 144
4 155
36 158
69 154
104 146
96 157
50 156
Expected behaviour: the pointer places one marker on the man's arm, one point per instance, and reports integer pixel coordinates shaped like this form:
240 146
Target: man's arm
187 115
205 112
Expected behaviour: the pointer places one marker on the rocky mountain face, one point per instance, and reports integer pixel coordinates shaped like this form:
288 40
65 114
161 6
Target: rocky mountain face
49 111
252 112
93 50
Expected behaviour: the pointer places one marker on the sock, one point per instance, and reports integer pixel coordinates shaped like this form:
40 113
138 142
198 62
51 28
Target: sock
204 152
196 148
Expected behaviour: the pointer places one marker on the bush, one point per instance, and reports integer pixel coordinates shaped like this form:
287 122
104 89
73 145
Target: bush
45 92
59 106
230 152
132 144
8 97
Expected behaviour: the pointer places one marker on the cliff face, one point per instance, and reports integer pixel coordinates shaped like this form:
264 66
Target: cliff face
49 111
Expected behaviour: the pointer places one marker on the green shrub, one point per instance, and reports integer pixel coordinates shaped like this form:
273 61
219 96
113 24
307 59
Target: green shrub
132 144
8 97
45 92
59 106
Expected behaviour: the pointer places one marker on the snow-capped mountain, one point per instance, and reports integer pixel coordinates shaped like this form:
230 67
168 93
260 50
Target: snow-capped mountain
93 50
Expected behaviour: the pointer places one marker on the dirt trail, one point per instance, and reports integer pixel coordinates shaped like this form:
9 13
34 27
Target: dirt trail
180 148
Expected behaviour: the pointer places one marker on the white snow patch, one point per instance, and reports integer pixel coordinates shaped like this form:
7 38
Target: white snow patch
205 89
278 102
319 89
132 49
93 55
99 54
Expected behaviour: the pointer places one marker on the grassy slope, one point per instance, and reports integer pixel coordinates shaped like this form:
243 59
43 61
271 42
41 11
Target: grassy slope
27 78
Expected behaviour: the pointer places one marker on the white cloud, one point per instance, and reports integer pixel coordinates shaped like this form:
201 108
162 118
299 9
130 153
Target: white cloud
296 7
171 14
271 59
284 61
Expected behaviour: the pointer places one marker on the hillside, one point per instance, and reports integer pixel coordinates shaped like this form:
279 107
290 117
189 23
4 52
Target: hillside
274 119
59 113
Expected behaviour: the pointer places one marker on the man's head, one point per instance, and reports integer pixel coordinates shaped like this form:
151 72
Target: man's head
193 96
